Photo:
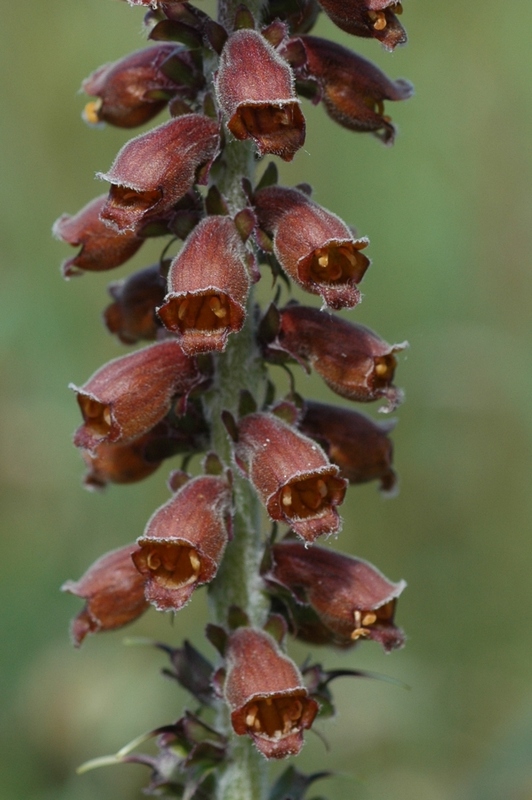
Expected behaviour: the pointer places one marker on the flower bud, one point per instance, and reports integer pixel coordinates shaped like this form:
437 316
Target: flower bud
291 474
134 89
255 88
131 394
354 442
375 19
353 89
314 247
101 247
132 314
154 170
114 592
208 285
350 597
265 694
184 541
352 360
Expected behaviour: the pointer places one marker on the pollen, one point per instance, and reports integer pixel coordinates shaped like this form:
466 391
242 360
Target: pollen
334 263
206 312
378 20
91 112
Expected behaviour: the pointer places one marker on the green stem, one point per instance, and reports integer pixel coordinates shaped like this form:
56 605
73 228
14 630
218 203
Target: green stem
244 776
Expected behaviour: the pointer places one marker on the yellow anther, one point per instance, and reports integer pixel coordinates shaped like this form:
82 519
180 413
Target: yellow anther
286 496
369 618
321 486
381 369
153 561
323 261
107 415
91 112
195 562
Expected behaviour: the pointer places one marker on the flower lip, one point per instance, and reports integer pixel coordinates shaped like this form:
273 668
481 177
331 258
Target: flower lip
277 128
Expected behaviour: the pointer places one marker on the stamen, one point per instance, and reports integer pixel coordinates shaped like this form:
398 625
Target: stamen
381 369
153 561
321 486
359 631
323 261
107 415
217 308
378 18
369 618
90 112
251 717
195 562
286 496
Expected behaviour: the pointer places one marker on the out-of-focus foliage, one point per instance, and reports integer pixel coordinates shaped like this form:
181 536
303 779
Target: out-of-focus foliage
448 210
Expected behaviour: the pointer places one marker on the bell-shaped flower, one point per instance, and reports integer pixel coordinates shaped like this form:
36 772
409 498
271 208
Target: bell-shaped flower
129 395
184 541
154 170
374 19
314 247
350 597
132 316
265 694
255 89
208 285
291 474
357 444
353 90
101 247
134 89
114 592
352 360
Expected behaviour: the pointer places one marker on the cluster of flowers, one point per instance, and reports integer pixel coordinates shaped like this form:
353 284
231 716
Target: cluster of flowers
144 407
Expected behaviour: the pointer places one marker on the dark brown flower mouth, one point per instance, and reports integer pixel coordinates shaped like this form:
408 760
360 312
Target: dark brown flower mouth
260 120
274 717
380 19
173 566
383 370
365 619
336 264
208 312
306 498
97 415
125 197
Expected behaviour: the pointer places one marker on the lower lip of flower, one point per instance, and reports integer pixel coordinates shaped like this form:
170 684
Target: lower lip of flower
172 566
274 717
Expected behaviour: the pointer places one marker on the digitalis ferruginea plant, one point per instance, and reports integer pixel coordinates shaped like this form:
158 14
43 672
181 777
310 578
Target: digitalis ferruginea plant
275 470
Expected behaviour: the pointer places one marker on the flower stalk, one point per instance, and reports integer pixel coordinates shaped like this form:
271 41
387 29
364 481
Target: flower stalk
232 88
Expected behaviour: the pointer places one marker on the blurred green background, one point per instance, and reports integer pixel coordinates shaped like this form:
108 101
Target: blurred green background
448 210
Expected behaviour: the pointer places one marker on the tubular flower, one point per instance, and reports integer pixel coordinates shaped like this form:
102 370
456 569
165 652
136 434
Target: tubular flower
354 442
255 89
291 474
352 360
350 597
314 247
376 19
131 316
265 694
114 592
101 247
154 170
184 541
208 285
353 89
134 89
129 395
